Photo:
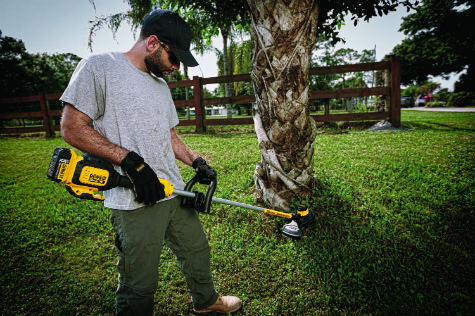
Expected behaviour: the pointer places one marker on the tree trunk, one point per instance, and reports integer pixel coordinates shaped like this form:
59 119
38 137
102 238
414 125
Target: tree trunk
224 34
284 35
187 95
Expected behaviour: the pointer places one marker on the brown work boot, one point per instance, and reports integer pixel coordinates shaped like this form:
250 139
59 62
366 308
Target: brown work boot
224 304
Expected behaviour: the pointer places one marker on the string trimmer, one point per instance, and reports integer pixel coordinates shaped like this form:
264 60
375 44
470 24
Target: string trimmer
88 173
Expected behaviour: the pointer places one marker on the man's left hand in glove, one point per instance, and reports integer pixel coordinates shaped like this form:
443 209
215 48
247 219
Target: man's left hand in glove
204 173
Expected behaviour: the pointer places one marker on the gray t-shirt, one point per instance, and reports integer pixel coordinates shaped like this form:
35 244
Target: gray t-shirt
131 109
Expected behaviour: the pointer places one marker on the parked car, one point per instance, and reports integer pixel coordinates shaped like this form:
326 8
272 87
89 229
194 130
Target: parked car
407 102
420 101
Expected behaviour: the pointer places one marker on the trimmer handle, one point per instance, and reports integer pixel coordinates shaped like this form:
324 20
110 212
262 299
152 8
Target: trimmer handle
201 203
125 182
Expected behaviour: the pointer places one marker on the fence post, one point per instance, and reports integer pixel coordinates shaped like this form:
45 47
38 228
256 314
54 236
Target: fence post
326 107
44 113
199 117
387 83
395 91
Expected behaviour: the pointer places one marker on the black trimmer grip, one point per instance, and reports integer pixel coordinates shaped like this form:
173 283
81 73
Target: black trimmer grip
125 182
190 184
202 207
185 201
206 208
209 197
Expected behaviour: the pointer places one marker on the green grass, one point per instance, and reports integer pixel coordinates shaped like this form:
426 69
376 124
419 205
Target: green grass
394 234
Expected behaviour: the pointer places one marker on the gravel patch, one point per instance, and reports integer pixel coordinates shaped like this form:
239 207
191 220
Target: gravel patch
386 126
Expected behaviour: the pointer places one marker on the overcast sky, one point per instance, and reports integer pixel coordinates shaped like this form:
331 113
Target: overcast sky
62 26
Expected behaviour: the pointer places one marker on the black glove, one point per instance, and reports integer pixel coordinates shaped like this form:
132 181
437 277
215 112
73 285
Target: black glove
204 173
148 188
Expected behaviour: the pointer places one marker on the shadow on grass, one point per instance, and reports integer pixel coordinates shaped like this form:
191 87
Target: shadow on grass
438 126
368 263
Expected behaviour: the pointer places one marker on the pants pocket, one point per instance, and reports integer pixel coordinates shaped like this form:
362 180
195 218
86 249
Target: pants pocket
121 262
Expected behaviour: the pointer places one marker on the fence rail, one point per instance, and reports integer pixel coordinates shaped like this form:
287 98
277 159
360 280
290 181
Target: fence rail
392 90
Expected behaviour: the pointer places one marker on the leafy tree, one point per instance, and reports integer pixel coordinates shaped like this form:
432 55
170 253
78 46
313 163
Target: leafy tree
326 55
323 56
424 88
285 33
439 42
239 57
225 16
25 74
466 82
411 91
442 95
242 63
461 99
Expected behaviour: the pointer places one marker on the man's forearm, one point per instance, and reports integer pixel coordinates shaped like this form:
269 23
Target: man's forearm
76 131
182 152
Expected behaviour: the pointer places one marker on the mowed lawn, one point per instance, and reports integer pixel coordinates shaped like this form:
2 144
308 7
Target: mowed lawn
394 234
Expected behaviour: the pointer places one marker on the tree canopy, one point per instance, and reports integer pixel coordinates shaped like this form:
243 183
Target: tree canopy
221 13
325 55
439 41
25 74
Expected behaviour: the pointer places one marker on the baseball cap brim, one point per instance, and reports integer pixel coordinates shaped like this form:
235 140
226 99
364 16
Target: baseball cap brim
184 56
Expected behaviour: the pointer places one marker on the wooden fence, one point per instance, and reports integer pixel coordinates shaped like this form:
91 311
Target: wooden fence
392 90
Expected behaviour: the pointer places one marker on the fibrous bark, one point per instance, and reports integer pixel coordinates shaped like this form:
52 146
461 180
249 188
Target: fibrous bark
284 33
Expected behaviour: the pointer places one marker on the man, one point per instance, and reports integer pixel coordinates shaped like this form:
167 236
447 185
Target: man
134 116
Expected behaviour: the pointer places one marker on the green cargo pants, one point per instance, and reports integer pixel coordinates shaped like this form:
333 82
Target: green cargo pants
138 241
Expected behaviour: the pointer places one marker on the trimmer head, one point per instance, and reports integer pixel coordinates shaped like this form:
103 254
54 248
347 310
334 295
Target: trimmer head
305 218
292 231
308 220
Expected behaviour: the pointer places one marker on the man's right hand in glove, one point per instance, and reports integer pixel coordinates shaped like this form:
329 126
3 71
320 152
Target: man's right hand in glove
148 188
204 173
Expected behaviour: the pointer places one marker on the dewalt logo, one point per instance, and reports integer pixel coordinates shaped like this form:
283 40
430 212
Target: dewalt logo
62 171
97 178
94 176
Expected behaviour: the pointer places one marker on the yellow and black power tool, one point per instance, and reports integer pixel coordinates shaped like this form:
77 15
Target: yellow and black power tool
83 175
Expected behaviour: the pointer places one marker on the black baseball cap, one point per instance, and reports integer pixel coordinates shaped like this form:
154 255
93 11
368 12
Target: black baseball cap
171 29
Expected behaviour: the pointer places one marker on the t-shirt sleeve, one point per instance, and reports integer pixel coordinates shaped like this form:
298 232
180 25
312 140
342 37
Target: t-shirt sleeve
86 89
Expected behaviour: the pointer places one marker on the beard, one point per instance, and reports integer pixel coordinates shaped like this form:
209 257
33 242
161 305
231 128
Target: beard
154 63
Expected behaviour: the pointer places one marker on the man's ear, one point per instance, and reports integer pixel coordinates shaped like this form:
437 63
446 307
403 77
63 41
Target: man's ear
152 43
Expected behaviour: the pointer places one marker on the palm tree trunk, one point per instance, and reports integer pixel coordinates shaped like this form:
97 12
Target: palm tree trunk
284 34
224 34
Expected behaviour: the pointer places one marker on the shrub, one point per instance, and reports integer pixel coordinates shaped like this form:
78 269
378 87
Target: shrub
362 108
461 99
435 104
442 95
